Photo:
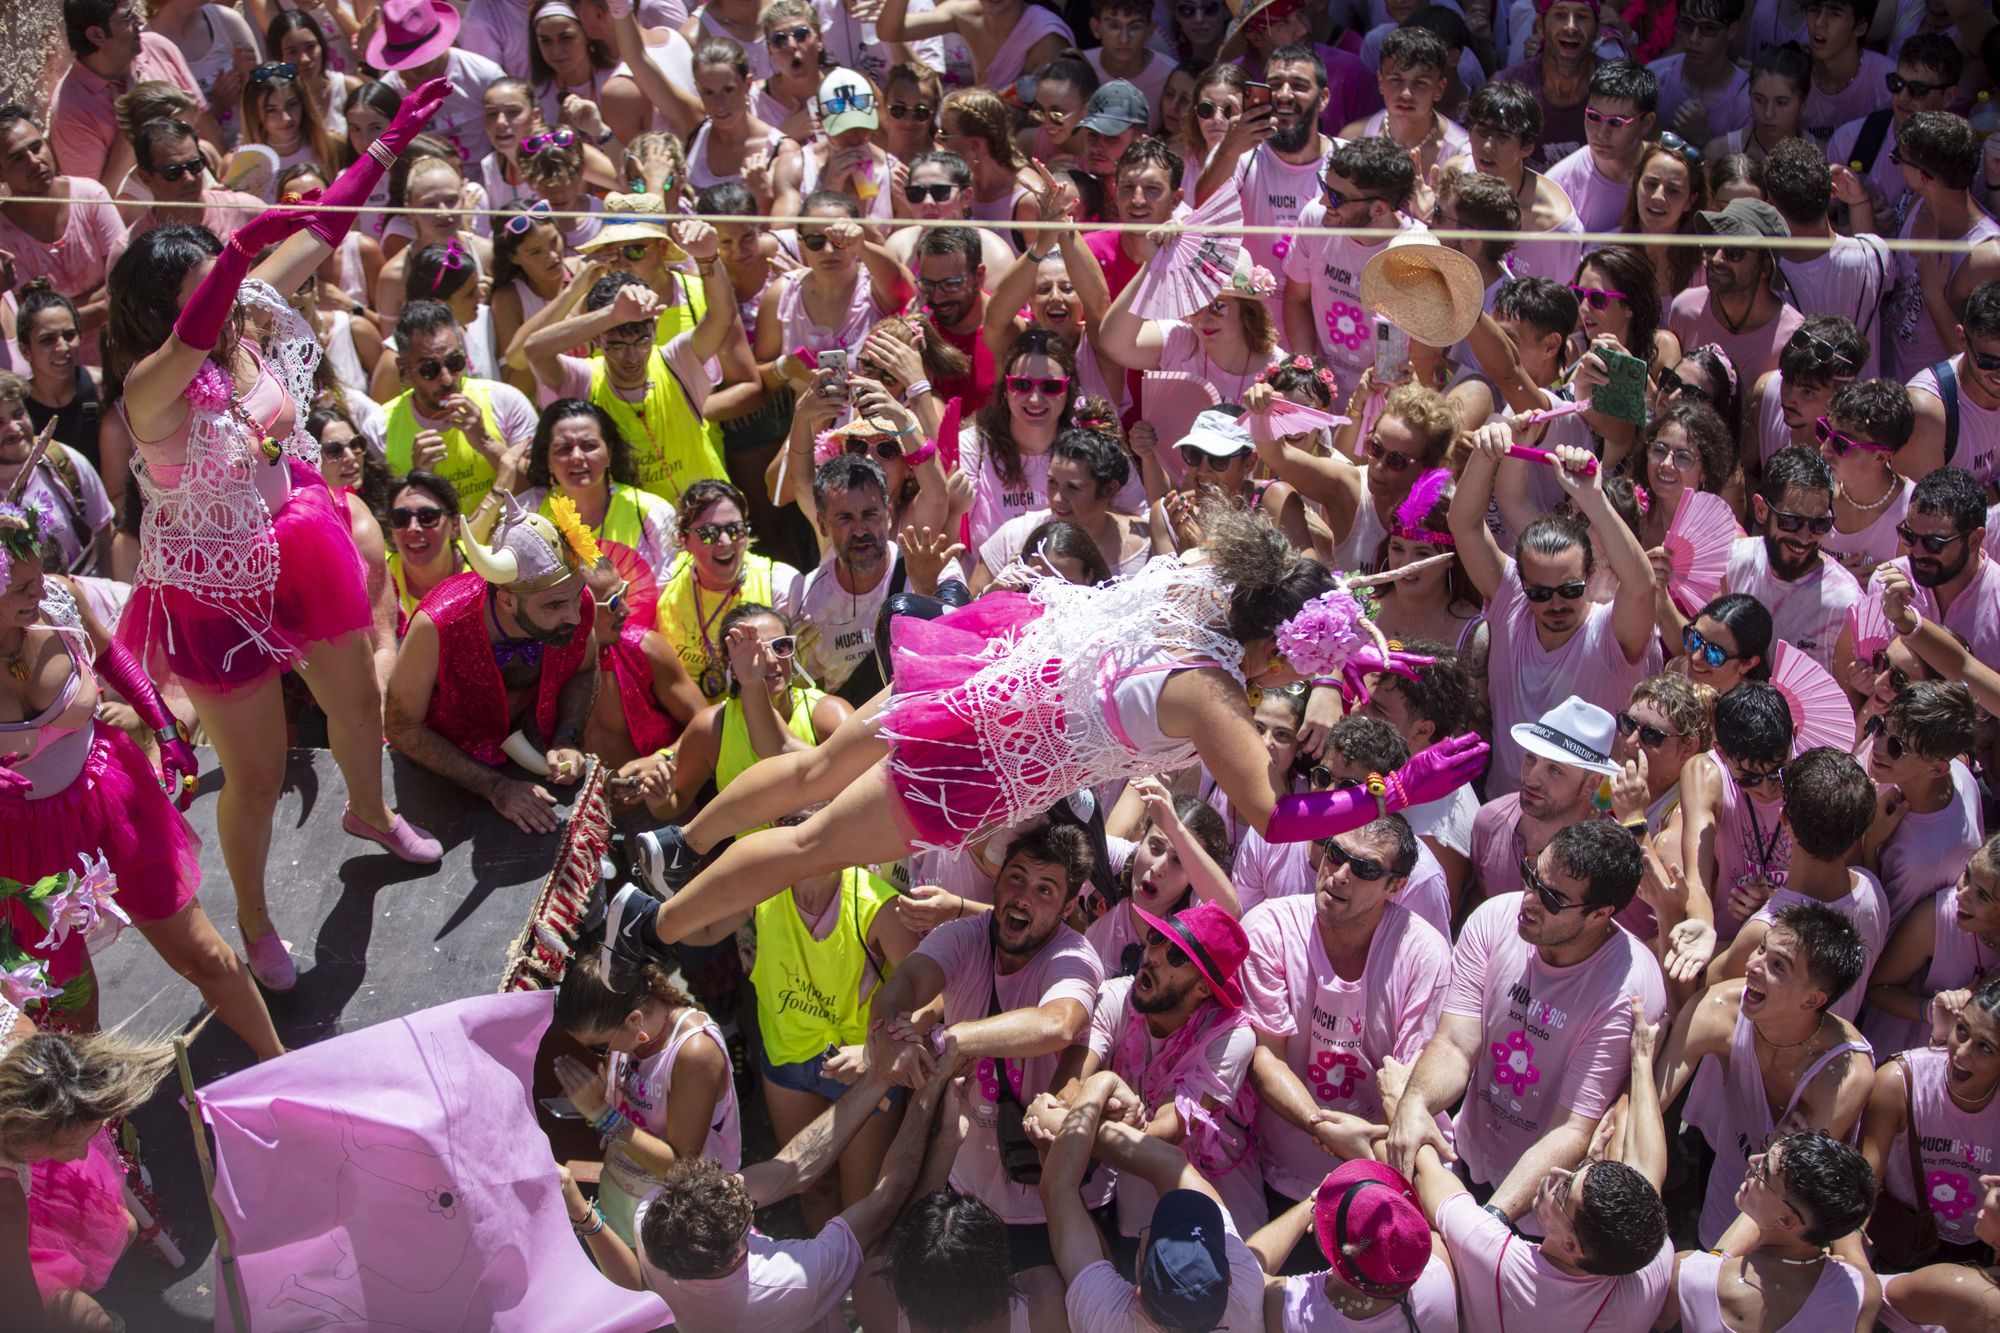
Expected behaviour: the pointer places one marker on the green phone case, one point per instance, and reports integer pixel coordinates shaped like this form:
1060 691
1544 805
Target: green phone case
1625 396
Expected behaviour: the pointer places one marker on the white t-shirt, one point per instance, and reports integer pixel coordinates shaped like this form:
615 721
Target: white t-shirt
837 627
1807 613
781 1285
1599 201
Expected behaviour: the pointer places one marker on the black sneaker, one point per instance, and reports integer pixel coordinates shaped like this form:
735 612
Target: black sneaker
665 859
629 936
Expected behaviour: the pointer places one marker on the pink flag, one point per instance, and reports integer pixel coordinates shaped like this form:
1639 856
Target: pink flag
395 1178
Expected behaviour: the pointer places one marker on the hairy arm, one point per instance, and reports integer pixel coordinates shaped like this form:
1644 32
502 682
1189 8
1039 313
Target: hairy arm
818 1146
411 682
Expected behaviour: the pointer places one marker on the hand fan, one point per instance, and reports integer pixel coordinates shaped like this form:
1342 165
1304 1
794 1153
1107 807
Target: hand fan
1285 417
1821 714
1868 627
1186 273
642 589
1697 545
1171 400
1533 455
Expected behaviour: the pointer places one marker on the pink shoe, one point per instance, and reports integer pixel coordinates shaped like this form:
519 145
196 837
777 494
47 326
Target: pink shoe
271 963
403 838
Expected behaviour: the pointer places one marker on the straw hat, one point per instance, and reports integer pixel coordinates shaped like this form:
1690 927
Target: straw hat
1428 290
629 218
1236 38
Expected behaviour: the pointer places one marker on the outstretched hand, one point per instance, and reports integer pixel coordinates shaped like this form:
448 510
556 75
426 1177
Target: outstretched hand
1438 771
415 113
1369 660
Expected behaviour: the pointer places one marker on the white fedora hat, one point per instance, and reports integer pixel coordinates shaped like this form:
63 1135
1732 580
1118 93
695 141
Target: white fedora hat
1573 732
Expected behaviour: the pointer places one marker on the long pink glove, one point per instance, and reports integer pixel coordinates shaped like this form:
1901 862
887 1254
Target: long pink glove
354 185
178 766
200 323
1438 771
1368 661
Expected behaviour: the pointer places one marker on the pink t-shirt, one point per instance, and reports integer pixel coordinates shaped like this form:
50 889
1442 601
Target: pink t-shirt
1263 871
1728 109
1754 352
1528 680
1974 613
1599 201
1505 1283
1432 1304
1150 80
76 263
1866 906
781 1284
1066 968
1331 267
995 498
1184 351
83 117
1955 1147
1555 260
1276 193
1497 849
1867 91
1100 1301
1958 958
1555 1039
1926 853
1336 1032
1852 279
1806 612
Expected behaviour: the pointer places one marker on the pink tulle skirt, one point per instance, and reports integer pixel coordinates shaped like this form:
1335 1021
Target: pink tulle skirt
114 808
322 593
940 777
76 1220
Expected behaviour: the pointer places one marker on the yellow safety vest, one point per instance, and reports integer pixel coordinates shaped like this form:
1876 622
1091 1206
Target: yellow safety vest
809 992
735 753
674 447
691 617
624 518
462 465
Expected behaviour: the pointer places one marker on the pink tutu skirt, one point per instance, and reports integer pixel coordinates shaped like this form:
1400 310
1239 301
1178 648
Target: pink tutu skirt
76 1220
940 776
116 809
322 593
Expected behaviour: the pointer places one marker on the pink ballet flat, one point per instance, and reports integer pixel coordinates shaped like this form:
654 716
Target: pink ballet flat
403 838
271 963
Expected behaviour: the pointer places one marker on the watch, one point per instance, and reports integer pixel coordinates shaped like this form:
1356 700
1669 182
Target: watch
605 137
1500 1213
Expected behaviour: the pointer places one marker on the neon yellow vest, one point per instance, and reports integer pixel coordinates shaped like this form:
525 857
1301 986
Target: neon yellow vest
624 518
686 609
683 315
462 465
674 447
809 991
735 754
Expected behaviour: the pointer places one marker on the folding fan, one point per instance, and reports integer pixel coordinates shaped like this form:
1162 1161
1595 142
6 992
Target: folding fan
1186 273
1697 545
1821 714
1171 400
642 589
1868 627
1285 417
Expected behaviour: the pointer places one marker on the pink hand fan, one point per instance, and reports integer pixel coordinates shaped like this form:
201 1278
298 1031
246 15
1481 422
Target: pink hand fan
1186 273
1171 400
1821 714
1868 627
1697 545
1528 452
1285 417
642 590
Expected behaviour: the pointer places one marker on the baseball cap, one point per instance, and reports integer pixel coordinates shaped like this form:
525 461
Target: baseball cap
1184 1274
1116 107
846 101
1217 434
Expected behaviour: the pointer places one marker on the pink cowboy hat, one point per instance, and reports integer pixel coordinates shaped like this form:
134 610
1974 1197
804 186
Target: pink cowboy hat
1371 1229
1213 940
413 32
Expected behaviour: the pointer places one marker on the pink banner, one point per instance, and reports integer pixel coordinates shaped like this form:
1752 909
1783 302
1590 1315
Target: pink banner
395 1178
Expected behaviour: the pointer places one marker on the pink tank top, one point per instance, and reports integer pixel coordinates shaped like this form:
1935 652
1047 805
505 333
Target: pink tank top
1835 1300
1750 839
49 748
802 331
1772 432
1911 334
1954 1147
701 175
267 404
644 1088
1978 450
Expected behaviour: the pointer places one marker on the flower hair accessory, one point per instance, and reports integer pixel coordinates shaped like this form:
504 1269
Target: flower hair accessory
24 534
1643 497
1416 507
1317 639
1093 415
575 532
826 447
1253 280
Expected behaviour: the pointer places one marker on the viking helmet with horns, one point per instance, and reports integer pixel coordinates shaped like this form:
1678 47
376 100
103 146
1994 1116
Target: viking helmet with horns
530 553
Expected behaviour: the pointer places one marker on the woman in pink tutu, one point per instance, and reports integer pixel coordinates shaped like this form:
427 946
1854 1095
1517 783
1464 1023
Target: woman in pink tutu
74 793
246 565
63 1220
1002 708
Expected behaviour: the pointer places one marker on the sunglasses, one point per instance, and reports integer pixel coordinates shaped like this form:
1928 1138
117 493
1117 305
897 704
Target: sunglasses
636 251
1914 87
1700 27
785 37
339 448
1196 459
1551 900
1899 679
839 102
1051 386
1595 297
1541 592
430 366
709 534
936 194
523 222
1673 143
783 646
1671 383
886 450
1930 541
1989 364
1054 115
910 111
1731 254
277 69
1843 445
1333 858
1176 956
173 171
946 284
1752 781
1335 199
1681 459
535 143
1787 521
815 241
1649 735
426 518
1712 653
1390 460
1596 117
1206 110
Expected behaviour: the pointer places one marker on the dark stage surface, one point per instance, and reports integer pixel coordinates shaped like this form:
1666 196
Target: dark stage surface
374 937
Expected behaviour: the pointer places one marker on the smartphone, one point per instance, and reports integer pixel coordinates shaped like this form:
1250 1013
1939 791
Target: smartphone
622 782
1625 396
1392 353
561 1108
1256 94
836 361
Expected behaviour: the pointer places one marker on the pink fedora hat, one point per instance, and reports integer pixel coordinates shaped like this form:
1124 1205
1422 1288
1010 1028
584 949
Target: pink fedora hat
1213 940
413 32
1371 1228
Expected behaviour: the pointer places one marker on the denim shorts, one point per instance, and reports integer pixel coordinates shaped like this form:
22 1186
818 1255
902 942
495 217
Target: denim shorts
809 1076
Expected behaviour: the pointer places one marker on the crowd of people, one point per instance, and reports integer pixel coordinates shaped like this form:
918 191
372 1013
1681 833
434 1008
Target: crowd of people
1196 777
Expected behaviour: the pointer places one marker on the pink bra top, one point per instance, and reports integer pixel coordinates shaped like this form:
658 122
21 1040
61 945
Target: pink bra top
47 748
267 404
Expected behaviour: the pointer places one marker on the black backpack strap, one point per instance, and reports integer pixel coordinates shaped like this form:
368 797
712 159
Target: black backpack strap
1868 143
1947 379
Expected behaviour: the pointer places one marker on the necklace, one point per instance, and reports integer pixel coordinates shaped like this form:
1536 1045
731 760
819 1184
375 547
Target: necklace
1349 1305
1734 325
1895 485
1819 1258
17 661
713 679
1790 1046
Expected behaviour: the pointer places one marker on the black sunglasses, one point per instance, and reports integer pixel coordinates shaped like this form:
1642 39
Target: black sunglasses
1207 110
1541 592
1649 735
1394 460
429 367
1197 459
1176 956
1787 521
1751 781
1595 297
887 450
785 37
425 518
1930 541
937 194
1551 900
1731 254
1332 857
910 111
173 171
813 241
1672 383
1899 679
1915 87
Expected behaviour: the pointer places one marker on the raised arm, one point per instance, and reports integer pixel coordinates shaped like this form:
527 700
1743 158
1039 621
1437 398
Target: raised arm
1501 363
1072 1235
1701 1028
1332 480
814 1149
895 23
1645 1138
699 240
683 113
1485 564
1126 338
545 346
1632 604
1934 643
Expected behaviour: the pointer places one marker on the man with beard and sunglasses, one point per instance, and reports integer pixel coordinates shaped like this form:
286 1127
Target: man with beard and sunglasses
448 421
499 664
1957 583
1958 402
1536 1033
1782 565
1274 157
1739 309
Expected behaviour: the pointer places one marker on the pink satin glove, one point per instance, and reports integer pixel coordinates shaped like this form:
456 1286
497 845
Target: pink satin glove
1438 771
201 320
179 766
350 190
1367 661
415 113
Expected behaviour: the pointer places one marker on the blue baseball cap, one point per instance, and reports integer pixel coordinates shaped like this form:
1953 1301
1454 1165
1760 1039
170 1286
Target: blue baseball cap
1184 1274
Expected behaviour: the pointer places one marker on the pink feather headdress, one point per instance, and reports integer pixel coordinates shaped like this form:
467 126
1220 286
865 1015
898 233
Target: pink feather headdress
1417 506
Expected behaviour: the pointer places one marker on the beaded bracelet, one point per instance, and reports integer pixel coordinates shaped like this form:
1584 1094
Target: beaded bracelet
1378 787
609 1121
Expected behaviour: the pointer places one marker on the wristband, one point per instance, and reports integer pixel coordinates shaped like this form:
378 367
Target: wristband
916 389
936 1040
1326 682
1378 787
591 1225
1637 828
1035 258
1500 1213
924 454
382 153
605 137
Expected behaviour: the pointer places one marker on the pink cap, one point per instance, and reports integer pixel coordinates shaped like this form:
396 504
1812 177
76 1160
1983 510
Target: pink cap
1371 1228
